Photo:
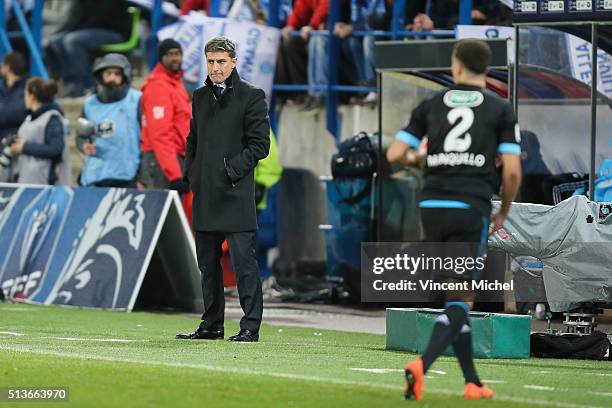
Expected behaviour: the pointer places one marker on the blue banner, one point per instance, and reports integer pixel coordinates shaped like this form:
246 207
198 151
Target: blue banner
78 246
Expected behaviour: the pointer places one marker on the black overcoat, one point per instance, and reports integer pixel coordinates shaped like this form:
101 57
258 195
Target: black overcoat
227 137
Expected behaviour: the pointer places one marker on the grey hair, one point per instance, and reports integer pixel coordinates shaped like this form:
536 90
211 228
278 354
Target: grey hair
221 44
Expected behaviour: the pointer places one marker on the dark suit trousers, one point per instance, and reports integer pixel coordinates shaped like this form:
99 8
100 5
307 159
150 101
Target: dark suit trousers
244 261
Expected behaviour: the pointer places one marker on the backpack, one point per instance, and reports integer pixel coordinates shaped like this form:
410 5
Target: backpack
595 346
356 157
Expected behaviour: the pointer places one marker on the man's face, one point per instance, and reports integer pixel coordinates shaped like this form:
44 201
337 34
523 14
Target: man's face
220 66
112 76
4 70
173 60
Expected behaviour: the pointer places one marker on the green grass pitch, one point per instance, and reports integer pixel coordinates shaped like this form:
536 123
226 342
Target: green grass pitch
117 359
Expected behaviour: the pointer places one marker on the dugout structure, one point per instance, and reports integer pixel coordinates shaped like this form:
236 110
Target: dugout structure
396 57
589 20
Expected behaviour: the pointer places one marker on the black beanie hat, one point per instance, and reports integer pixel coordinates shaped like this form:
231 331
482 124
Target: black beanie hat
166 46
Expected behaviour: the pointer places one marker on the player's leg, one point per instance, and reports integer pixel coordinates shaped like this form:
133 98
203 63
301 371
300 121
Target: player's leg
433 228
447 328
462 345
449 225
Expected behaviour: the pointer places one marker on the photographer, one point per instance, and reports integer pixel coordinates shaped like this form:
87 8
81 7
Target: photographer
12 108
40 143
109 130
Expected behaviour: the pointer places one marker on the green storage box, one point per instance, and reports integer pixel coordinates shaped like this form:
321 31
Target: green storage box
494 335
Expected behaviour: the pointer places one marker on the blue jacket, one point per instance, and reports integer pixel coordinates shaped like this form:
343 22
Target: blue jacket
118 139
12 107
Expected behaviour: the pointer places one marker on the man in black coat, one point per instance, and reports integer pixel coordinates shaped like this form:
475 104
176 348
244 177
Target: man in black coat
229 134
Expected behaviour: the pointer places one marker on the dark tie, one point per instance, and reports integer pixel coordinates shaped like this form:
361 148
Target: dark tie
218 91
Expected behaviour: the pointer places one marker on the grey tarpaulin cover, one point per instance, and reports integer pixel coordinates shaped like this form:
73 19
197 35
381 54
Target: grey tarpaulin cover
574 241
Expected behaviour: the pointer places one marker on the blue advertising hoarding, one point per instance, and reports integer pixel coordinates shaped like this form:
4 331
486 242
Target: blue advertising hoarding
83 246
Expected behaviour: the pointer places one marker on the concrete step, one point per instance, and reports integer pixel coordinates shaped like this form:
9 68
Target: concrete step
304 141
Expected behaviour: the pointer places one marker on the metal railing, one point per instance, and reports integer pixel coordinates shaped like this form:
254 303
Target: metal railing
333 88
31 33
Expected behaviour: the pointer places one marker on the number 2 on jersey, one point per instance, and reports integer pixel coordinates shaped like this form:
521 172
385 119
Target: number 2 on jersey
454 142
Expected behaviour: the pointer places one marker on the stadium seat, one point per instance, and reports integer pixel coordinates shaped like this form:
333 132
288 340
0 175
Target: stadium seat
132 41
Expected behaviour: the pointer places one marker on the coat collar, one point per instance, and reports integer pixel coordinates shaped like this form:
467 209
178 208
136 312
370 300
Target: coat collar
45 108
230 82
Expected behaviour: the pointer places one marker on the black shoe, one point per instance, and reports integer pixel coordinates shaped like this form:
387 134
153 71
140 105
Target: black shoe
245 336
201 334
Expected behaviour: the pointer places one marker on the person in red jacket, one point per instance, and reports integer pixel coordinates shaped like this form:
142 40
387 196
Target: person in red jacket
195 5
166 112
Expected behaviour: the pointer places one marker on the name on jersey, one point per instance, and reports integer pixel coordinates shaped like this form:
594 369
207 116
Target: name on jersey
456 98
456 159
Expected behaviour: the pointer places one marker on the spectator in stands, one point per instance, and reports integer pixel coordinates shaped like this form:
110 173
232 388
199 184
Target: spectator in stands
318 69
165 123
426 15
113 151
195 5
247 10
381 11
12 106
362 15
56 14
292 59
444 14
26 7
253 8
378 17
92 24
500 13
41 143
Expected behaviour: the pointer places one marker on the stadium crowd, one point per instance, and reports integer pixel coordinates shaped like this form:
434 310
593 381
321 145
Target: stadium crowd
151 156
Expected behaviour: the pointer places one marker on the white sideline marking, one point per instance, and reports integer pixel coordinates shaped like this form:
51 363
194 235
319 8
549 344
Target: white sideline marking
538 387
392 370
12 333
84 339
493 381
595 374
19 309
600 374
281 375
378 370
603 394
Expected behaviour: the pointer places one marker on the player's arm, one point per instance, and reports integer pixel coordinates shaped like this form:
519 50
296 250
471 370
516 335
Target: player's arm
403 150
511 182
510 150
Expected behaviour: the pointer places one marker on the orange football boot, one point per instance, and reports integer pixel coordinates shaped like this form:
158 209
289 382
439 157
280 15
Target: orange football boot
415 380
472 391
